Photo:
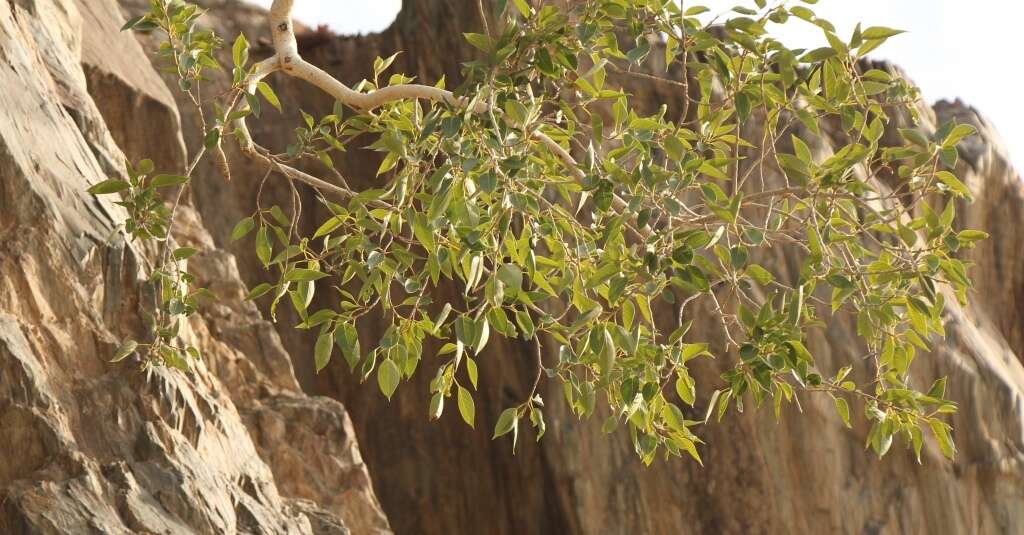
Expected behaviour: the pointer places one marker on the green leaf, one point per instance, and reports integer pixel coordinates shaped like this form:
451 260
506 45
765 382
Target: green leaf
258 291
347 339
537 419
317 318
525 323
465 330
948 213
675 148
692 351
971 236
637 54
803 152
516 111
329 226
941 432
818 54
607 355
880 32
212 138
304 275
388 376
145 167
269 95
523 7
918 441
938 389
466 407
479 41
240 51
844 411
506 422
483 333
323 349
689 447
381 64
422 232
953 183
800 351
163 181
839 281
723 405
279 216
713 171
472 371
738 255
264 247
914 136
760 274
441 317
132 22
511 276
958 133
183 252
125 349
389 163
254 105
685 387
436 406
325 158
243 228
109 186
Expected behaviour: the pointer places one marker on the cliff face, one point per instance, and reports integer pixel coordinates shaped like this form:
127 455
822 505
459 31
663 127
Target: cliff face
236 446
88 447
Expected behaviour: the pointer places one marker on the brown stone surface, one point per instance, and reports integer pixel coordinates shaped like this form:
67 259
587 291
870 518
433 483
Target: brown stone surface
92 447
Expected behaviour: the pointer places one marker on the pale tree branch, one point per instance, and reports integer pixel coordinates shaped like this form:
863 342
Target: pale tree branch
288 60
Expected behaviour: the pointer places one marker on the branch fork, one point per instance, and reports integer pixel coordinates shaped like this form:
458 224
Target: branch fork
286 58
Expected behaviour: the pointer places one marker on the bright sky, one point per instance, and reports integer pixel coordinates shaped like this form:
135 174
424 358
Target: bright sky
953 49
345 16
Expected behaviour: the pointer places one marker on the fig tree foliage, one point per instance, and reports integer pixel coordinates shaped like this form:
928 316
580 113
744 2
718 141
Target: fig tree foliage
549 206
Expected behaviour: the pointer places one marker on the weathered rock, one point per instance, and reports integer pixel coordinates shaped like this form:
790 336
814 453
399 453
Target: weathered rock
310 445
234 446
804 474
91 447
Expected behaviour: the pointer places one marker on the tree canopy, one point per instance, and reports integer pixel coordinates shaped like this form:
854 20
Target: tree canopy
567 215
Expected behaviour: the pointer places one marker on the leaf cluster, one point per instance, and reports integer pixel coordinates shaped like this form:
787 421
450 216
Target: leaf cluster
687 207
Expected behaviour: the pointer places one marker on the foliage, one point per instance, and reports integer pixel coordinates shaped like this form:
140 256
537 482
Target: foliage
175 296
675 207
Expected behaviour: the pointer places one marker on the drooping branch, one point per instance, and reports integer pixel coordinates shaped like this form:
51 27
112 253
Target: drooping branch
254 152
262 70
848 240
287 59
287 52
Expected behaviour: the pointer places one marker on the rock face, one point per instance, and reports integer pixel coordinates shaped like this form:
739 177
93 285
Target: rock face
237 446
91 447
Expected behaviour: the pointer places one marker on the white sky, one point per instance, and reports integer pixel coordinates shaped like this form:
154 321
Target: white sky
953 49
345 16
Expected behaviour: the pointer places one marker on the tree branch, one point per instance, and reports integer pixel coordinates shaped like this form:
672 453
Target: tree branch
288 60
